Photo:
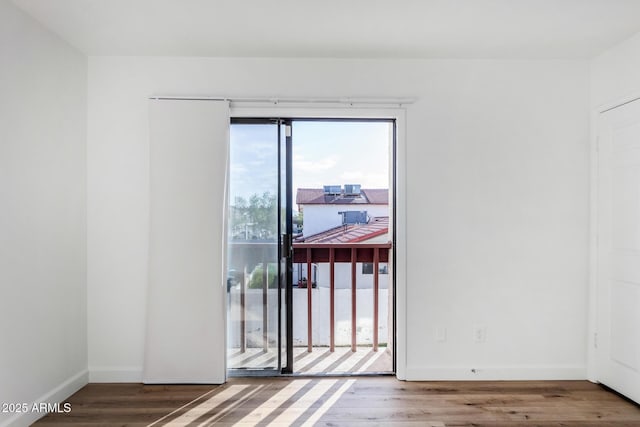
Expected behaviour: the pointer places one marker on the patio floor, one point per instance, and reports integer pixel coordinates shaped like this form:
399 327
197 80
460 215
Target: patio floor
320 361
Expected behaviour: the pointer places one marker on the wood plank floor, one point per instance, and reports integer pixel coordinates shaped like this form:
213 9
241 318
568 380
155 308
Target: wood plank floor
344 401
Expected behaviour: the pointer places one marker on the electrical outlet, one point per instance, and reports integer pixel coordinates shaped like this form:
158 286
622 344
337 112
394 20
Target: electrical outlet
441 334
479 334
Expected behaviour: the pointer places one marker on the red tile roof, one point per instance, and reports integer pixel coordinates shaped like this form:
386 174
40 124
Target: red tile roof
354 233
377 196
316 196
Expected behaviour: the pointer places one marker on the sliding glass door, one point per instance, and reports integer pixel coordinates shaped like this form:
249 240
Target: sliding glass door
259 246
331 310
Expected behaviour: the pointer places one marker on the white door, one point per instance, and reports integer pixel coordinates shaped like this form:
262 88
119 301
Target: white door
618 331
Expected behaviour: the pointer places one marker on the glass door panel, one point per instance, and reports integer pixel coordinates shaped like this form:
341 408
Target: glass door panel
253 264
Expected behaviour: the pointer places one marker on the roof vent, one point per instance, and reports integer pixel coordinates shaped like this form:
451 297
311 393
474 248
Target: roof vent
352 189
332 190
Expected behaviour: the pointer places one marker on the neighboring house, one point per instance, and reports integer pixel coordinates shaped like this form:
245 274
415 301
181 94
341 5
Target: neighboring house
349 214
322 207
375 231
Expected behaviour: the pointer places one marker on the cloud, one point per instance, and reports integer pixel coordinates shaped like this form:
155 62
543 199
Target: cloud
236 168
327 163
367 180
352 175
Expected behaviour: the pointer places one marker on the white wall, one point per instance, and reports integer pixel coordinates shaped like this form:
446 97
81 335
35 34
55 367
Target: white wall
497 189
43 344
319 218
615 74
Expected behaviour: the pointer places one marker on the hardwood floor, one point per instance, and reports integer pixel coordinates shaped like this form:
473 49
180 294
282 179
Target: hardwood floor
343 401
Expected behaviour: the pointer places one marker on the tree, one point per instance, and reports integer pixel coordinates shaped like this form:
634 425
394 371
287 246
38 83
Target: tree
298 221
255 218
257 276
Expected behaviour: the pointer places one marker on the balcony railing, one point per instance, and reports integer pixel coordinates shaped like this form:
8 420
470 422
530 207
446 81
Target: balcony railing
310 254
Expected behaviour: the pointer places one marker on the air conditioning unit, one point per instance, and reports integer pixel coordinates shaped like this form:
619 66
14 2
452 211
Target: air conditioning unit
354 217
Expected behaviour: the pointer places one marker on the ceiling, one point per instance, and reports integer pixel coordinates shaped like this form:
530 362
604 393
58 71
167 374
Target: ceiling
341 28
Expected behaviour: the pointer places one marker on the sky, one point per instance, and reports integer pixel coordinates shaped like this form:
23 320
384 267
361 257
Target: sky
324 153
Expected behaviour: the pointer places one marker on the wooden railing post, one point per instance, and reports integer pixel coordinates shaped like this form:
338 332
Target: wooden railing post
332 300
309 312
353 298
342 253
376 262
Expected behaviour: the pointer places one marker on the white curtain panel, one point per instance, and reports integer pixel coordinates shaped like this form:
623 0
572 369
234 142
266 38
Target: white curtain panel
185 335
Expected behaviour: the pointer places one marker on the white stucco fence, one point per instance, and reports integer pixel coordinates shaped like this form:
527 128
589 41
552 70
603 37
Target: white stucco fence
320 320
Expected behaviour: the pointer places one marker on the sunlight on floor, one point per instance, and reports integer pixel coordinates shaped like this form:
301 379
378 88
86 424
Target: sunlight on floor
193 410
300 402
320 360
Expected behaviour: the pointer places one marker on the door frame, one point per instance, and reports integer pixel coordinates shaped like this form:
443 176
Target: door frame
397 112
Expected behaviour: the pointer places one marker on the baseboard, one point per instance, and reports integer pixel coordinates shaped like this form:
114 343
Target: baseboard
117 374
57 395
497 373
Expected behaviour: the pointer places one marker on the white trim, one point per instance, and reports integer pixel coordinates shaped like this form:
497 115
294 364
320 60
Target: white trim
497 373
592 307
401 247
337 111
371 112
117 374
223 251
57 395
